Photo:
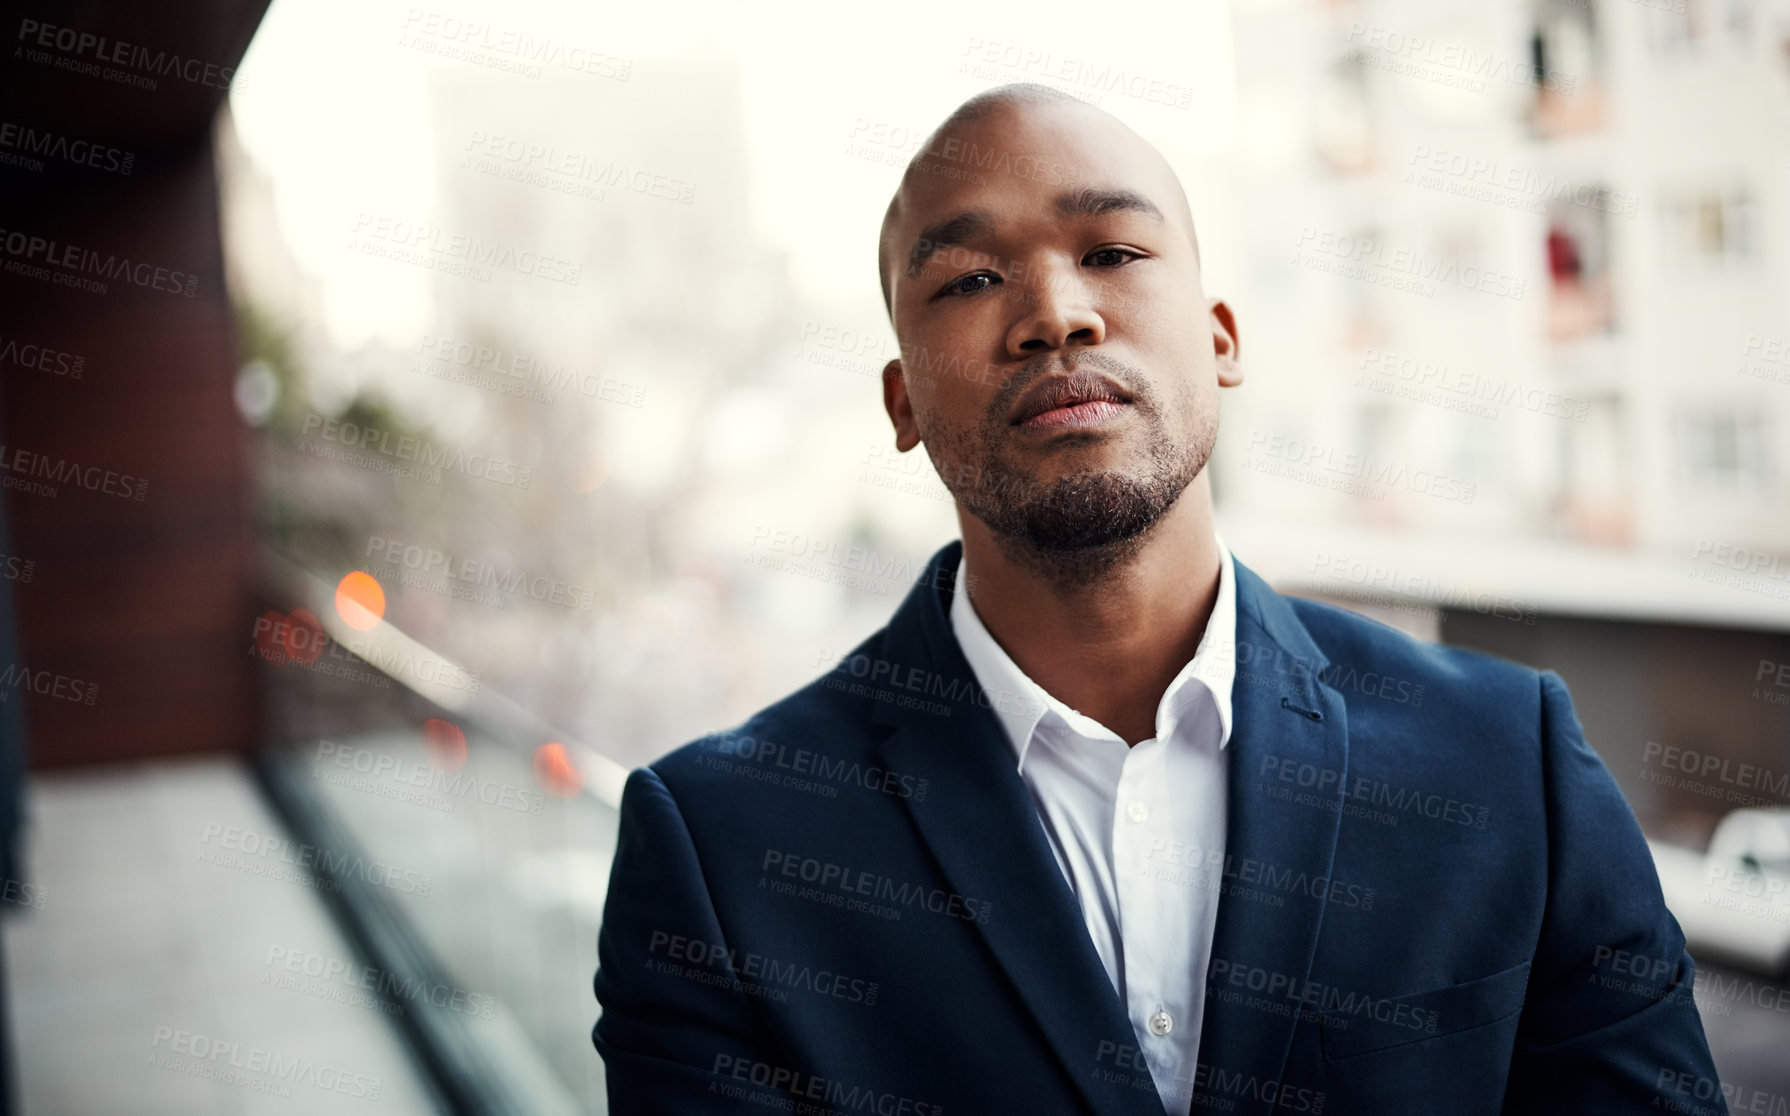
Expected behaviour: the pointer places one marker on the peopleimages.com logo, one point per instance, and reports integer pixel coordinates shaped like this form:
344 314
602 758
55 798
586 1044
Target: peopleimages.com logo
440 572
24 145
41 358
73 261
409 448
254 1068
379 234
102 56
277 857
20 466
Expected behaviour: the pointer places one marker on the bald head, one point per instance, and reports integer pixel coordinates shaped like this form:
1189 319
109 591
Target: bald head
968 146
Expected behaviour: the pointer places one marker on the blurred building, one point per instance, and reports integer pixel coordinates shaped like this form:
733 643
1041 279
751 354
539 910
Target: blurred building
1539 249
1519 282
605 316
128 479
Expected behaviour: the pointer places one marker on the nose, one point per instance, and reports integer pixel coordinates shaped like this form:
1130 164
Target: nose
1057 312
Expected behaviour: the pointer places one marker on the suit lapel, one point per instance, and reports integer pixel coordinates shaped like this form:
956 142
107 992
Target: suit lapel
978 820
1286 720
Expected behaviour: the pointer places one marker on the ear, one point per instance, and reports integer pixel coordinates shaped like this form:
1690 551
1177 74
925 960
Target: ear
900 408
1224 343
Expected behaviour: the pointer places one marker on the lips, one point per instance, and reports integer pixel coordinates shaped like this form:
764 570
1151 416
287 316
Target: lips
1056 392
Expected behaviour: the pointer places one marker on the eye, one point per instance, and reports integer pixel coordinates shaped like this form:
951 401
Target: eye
1111 257
969 285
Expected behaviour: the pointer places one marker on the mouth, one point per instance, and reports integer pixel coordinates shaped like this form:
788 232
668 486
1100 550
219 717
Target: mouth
1077 401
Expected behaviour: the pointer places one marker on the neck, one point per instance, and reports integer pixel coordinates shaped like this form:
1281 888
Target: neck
1105 634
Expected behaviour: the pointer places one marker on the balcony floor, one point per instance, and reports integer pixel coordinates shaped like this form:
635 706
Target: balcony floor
141 935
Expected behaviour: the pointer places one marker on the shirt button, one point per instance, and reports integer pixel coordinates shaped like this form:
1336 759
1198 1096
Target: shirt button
1137 811
1161 1023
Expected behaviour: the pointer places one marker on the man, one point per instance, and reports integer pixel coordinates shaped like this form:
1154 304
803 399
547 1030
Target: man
1123 830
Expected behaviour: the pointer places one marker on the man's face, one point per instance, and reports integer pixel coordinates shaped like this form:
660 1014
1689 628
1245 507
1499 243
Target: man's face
1072 288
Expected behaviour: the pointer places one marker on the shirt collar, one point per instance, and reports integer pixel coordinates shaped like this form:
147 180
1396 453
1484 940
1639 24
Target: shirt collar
1021 704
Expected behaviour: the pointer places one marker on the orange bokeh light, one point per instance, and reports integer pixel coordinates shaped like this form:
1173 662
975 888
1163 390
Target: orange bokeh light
445 742
301 637
360 601
554 769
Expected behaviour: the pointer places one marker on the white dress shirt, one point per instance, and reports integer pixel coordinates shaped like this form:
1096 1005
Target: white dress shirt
1138 831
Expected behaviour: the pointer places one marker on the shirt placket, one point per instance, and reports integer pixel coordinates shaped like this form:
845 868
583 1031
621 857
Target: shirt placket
1140 821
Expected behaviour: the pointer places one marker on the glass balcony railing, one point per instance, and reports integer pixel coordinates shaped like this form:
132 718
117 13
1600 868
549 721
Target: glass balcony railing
464 844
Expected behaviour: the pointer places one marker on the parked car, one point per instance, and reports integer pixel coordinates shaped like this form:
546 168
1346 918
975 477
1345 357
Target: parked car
1733 901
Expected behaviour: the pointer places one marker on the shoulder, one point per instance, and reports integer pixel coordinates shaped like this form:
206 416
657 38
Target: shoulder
815 728
1448 731
1369 658
1427 715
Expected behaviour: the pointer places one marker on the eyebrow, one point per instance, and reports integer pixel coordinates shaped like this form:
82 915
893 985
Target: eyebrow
942 234
971 223
1098 203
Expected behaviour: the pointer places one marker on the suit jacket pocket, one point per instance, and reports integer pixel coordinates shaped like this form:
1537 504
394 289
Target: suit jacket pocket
1364 1024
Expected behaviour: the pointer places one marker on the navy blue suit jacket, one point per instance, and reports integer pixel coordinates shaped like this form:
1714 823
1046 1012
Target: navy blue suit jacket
848 903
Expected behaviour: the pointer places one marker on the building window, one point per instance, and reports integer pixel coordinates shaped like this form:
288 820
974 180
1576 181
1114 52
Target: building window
1566 54
1684 27
1714 230
1594 496
1478 455
1344 122
1725 451
1580 302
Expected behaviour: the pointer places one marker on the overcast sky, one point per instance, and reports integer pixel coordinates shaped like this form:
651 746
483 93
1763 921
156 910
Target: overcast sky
336 109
